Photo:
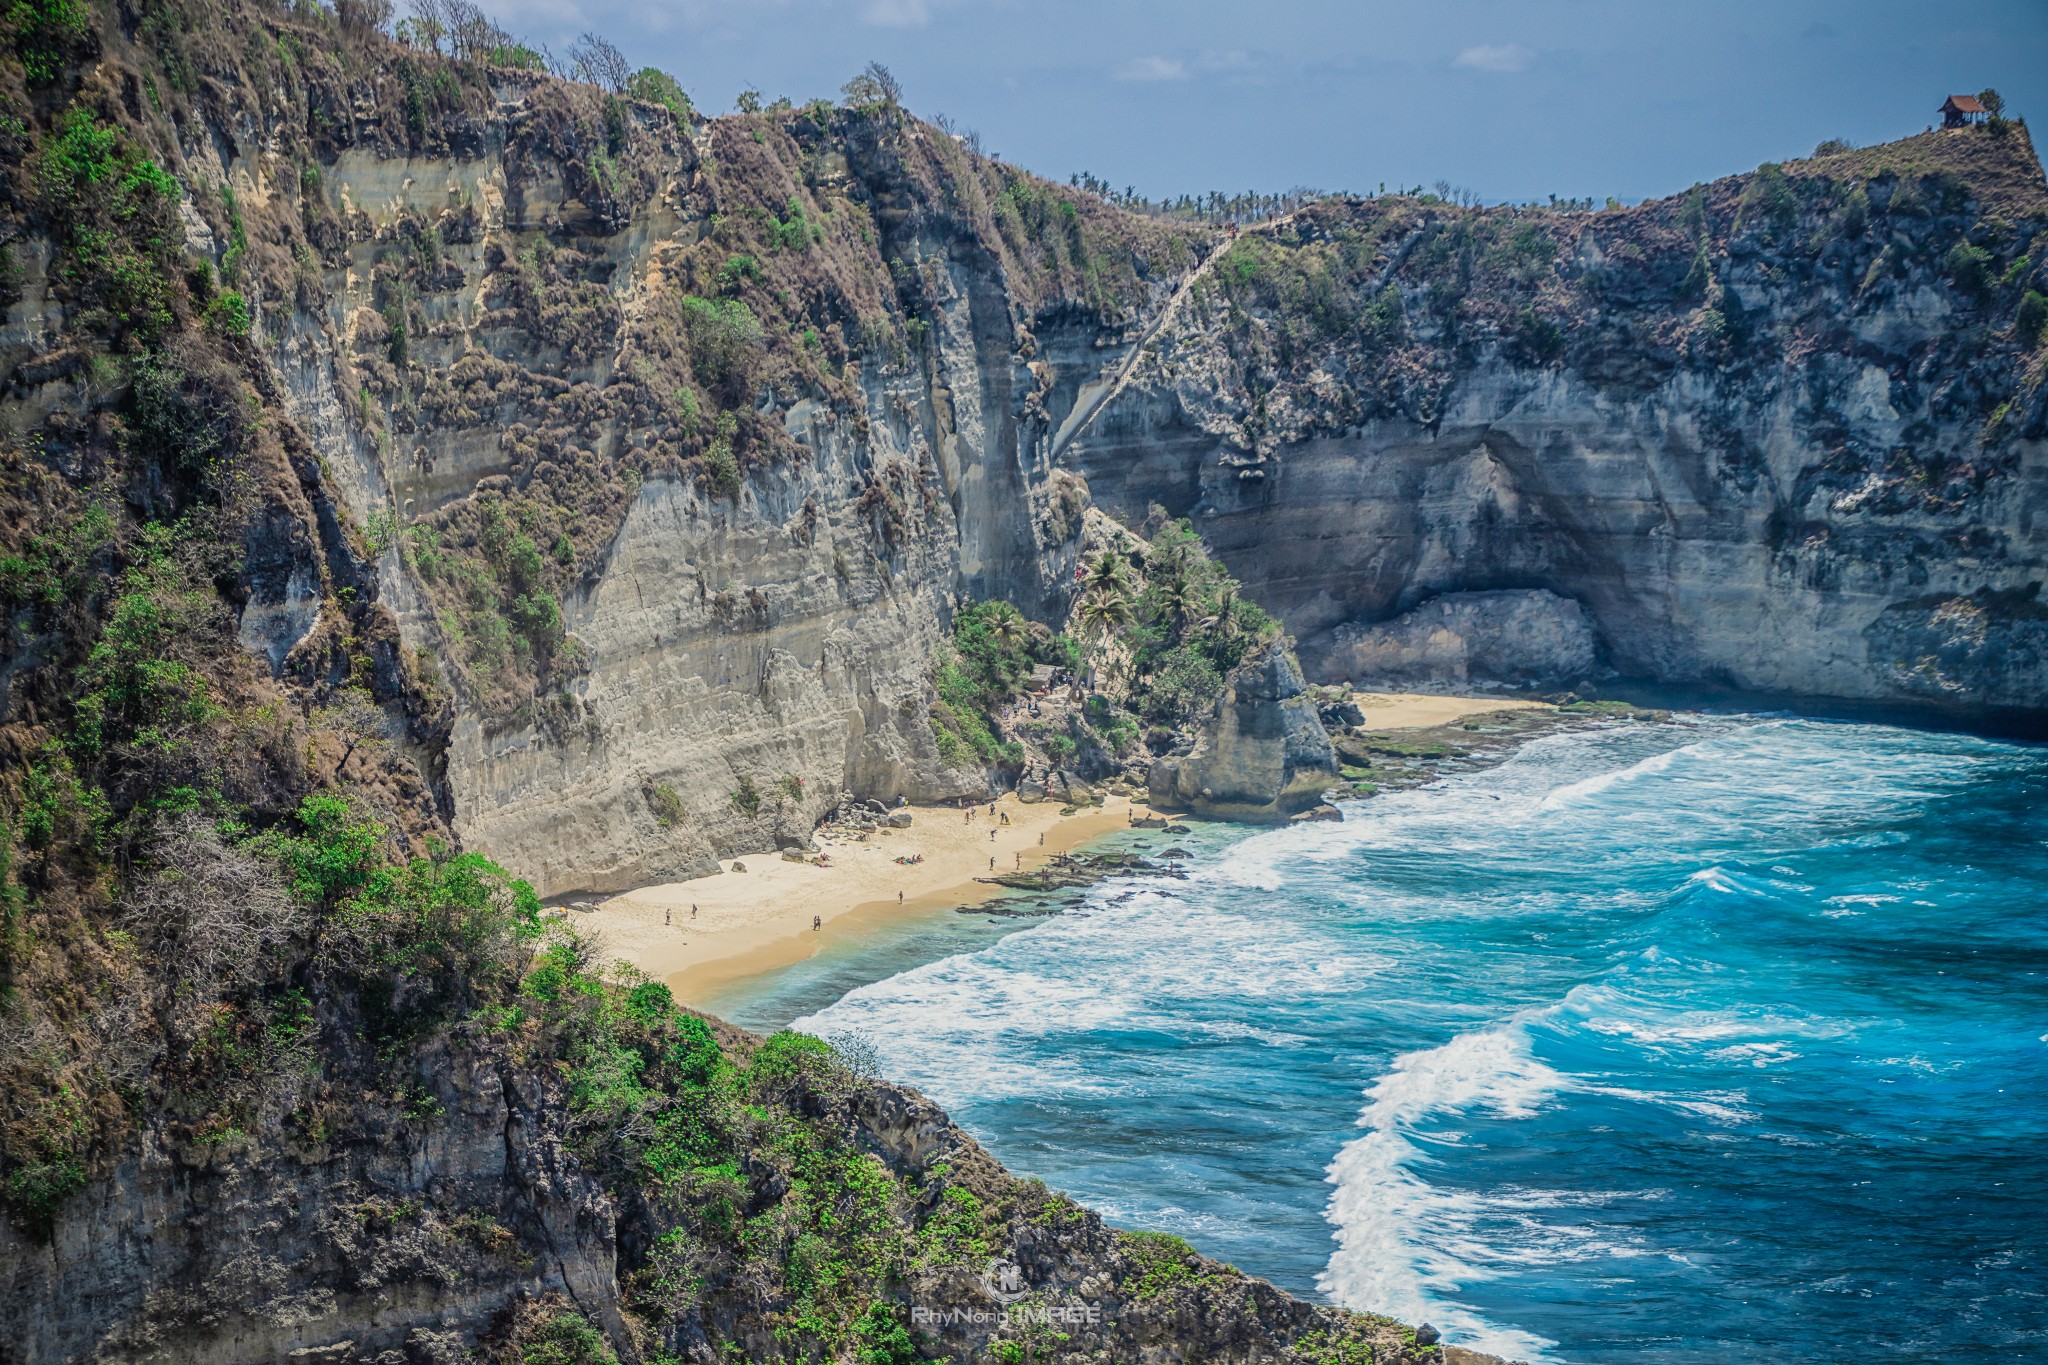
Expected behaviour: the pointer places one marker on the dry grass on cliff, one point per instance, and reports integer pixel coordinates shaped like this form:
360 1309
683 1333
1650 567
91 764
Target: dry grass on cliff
2001 168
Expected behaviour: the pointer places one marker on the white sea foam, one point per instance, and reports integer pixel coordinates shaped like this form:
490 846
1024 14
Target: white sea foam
1405 1246
1576 792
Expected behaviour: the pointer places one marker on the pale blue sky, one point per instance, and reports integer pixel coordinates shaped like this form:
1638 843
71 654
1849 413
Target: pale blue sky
1515 99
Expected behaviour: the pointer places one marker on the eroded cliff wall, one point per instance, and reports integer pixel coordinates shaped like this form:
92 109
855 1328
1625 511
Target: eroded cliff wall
1768 441
749 599
1784 434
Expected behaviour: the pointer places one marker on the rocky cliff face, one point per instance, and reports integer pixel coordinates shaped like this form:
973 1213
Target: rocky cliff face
465 1220
1784 434
403 456
720 629
1743 444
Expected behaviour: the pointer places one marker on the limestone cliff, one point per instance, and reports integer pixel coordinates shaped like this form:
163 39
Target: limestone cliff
1746 445
1786 433
738 600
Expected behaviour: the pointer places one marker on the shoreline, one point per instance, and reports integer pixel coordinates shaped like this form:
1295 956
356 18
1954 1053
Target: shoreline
761 919
1426 711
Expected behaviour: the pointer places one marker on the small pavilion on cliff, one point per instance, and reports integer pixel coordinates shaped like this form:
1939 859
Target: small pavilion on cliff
1959 110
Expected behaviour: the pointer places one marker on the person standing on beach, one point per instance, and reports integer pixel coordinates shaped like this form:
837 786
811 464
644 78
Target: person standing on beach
665 921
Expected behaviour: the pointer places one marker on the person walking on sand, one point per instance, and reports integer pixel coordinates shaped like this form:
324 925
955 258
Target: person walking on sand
899 898
817 922
1020 862
665 921
991 836
1041 838
693 904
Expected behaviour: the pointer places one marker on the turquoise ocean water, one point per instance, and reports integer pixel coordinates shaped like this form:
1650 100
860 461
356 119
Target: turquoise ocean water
1708 1042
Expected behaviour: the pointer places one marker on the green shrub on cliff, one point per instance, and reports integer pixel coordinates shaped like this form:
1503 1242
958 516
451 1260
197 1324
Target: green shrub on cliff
1768 201
567 1338
1181 685
1971 267
1160 1261
2030 323
725 342
658 87
993 650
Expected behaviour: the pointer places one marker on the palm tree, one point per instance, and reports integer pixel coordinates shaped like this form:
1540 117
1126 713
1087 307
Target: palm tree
1107 574
1104 613
1008 628
1222 621
1183 599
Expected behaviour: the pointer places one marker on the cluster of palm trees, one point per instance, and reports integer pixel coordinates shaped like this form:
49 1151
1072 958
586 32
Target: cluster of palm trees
1212 207
1105 606
1185 598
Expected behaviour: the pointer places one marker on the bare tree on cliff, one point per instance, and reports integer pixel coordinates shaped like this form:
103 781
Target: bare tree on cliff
598 63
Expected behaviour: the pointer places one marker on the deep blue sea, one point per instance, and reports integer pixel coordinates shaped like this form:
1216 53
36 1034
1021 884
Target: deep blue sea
1708 1042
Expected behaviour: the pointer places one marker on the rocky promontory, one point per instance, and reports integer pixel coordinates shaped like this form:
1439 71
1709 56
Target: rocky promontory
1263 757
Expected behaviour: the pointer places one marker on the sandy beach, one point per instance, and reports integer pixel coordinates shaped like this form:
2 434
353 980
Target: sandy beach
756 920
1415 711
702 934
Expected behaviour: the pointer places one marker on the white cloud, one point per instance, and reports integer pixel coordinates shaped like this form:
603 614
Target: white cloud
899 13
1152 69
1495 57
